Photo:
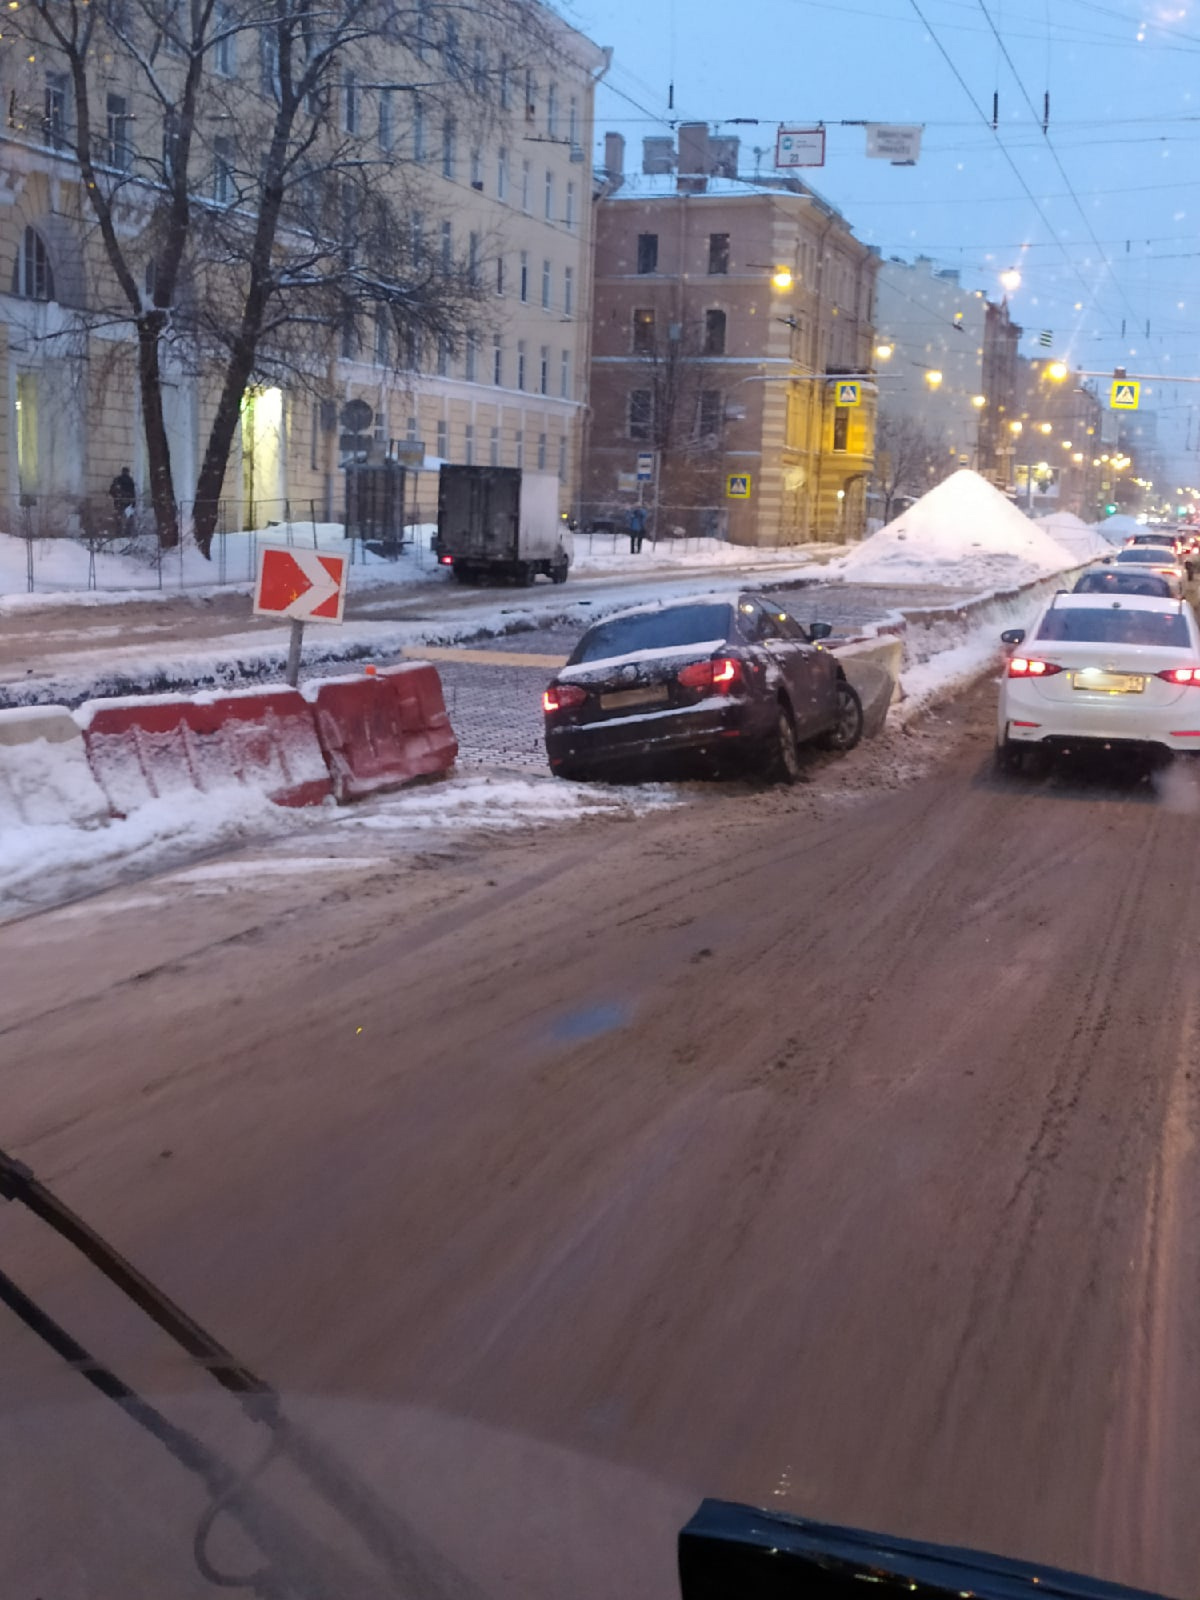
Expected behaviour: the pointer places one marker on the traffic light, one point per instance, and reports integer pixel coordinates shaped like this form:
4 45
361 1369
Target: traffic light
1110 509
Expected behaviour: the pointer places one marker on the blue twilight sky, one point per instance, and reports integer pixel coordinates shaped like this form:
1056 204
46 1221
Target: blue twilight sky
1102 217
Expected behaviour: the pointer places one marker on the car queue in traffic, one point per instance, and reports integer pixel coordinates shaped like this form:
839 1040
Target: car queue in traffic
1110 668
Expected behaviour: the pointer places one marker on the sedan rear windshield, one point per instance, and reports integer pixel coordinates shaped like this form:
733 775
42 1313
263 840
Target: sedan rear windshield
1162 555
1115 625
1123 583
653 630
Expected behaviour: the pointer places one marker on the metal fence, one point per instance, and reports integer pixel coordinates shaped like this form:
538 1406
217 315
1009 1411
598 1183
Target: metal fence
102 547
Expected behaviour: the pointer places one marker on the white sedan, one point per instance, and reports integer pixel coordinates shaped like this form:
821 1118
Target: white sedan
1101 672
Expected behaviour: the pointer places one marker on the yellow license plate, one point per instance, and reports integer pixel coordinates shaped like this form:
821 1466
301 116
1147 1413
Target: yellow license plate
1097 682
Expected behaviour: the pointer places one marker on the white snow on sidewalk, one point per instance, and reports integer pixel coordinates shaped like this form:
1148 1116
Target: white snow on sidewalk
1081 541
611 553
964 534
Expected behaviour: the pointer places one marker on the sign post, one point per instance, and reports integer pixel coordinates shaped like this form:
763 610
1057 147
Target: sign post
302 585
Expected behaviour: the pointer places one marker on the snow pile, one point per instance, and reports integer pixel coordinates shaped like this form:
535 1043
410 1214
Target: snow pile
63 567
509 800
1081 541
602 552
44 773
963 534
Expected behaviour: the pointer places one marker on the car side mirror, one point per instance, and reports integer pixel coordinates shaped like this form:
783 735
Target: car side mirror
1012 636
819 630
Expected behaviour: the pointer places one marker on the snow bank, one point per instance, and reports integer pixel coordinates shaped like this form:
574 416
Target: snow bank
1081 541
1116 529
963 534
611 553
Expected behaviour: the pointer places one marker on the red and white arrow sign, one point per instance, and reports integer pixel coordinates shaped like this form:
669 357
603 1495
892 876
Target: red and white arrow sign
305 585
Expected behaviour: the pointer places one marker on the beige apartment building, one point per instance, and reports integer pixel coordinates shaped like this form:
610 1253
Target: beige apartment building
496 168
731 316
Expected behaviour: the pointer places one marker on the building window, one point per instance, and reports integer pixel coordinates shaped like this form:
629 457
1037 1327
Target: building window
443 355
477 168
223 46
170 146
54 113
497 360
387 120
714 333
564 375
502 174
499 274
709 415
718 253
350 103
451 53
504 79
314 438
443 440
569 217
573 123
552 111
546 286
524 276
424 30
568 290
448 142
647 252
117 114
382 339
520 363
479 65
520 442
469 452
447 246
222 170
473 259
530 95
418 129
643 332
549 195
841 428
494 448
472 357
268 62
544 370
33 276
410 430
562 458
641 413
526 184
541 453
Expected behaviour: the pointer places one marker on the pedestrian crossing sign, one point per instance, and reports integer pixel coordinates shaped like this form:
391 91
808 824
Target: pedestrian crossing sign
1125 394
848 394
737 486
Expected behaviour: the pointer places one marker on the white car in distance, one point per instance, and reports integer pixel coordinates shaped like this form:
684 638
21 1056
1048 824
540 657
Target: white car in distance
1104 673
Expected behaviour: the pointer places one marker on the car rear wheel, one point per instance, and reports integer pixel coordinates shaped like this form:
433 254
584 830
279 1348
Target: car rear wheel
784 762
848 729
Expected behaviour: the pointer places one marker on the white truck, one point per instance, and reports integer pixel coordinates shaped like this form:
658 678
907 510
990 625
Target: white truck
501 522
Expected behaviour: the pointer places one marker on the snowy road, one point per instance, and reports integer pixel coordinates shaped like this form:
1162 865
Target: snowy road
833 1151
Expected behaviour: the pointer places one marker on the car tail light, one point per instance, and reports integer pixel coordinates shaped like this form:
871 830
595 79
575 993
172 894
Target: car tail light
1188 675
446 561
562 696
720 674
1026 667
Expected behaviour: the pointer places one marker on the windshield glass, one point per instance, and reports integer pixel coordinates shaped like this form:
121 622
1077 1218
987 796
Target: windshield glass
653 630
1153 555
1122 582
1115 625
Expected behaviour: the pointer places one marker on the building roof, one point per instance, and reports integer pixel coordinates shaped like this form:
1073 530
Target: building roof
665 186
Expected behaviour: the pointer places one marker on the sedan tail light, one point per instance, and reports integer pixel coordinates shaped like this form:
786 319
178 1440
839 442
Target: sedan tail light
446 561
562 696
1027 667
1188 675
719 675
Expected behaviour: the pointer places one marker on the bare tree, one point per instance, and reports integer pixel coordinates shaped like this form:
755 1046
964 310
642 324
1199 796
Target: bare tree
683 407
246 228
908 460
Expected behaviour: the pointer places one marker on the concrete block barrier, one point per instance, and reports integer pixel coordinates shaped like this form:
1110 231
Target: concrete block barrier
381 730
44 772
149 747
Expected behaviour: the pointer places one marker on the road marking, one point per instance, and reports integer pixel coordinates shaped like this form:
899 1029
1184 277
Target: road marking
483 658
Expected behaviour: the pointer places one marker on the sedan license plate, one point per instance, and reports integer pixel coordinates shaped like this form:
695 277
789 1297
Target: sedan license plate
653 695
1098 682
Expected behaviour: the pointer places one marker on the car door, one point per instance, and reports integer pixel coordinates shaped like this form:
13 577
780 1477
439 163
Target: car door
783 640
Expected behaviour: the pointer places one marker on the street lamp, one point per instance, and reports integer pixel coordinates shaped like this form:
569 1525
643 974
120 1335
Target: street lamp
979 401
1077 458
1016 427
1045 427
933 377
1058 372
782 278
1066 444
884 351
1010 280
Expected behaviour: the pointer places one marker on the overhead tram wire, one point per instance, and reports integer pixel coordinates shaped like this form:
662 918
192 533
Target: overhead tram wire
1089 292
1044 121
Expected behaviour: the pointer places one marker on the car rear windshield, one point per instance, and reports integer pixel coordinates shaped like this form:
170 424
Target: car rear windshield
1161 554
1122 583
653 630
1115 625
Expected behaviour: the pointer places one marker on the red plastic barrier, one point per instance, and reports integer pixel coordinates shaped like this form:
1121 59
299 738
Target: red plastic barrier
142 749
384 729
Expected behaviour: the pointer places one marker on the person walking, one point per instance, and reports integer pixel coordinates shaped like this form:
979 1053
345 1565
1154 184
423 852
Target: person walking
636 523
124 495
